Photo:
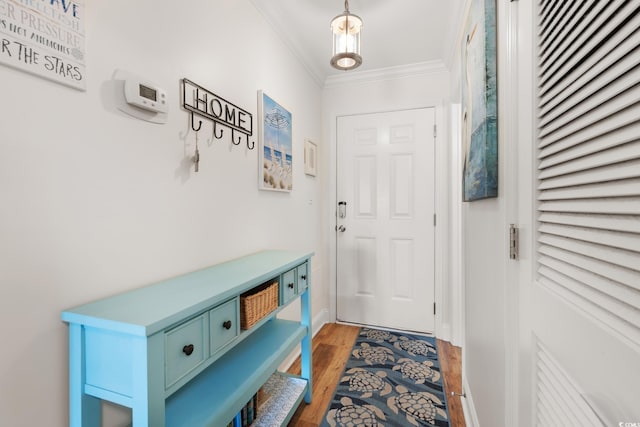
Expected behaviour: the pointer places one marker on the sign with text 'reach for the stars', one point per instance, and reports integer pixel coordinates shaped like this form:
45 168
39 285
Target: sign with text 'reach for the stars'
45 38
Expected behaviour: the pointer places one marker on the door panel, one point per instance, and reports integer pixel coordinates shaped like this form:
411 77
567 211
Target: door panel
385 243
573 361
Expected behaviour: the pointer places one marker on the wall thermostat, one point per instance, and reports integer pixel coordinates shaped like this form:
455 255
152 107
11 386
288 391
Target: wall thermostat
145 95
140 97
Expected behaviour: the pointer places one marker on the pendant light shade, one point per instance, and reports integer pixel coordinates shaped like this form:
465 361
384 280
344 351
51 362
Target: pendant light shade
346 30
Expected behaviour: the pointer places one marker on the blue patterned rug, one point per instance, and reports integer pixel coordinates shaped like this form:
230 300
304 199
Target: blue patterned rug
391 379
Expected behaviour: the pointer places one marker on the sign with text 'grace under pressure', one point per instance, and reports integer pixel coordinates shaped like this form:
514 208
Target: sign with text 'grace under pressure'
45 38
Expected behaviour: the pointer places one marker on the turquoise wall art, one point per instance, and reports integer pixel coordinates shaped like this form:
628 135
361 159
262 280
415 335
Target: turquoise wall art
480 103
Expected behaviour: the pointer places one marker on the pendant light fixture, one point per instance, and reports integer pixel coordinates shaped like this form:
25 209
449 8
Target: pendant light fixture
346 29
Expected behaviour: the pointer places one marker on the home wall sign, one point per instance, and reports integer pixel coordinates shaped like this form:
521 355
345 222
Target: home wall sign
204 103
45 38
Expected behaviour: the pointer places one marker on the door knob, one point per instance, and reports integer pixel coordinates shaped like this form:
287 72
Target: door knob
342 229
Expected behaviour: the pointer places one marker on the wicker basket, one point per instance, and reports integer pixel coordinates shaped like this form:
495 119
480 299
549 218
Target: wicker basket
257 303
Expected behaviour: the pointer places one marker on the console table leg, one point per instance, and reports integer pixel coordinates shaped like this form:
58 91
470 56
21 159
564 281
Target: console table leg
149 405
306 349
84 410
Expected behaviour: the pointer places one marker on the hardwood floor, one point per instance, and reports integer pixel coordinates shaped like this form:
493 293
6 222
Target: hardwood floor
450 358
331 348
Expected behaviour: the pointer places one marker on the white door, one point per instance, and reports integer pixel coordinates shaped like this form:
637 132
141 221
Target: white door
385 221
577 344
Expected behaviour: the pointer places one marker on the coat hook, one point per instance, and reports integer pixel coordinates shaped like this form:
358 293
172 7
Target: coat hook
233 140
253 144
193 126
215 133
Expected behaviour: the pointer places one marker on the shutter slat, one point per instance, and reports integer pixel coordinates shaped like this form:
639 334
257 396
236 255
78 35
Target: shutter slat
605 286
570 32
618 240
543 417
590 191
606 150
625 170
547 388
628 223
544 10
619 257
617 80
549 14
615 308
619 120
572 53
627 206
554 412
621 189
620 310
615 48
624 276
598 109
548 377
559 25
578 404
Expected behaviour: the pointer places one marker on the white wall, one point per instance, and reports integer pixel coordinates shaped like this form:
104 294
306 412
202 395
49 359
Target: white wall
413 86
95 202
484 256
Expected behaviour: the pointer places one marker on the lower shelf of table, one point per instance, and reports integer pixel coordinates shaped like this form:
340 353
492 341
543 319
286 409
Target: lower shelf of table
285 394
215 396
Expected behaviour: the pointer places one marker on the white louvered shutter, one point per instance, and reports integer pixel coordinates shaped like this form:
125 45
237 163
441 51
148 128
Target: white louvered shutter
589 158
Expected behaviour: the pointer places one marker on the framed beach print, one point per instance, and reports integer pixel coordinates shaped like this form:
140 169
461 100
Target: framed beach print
480 103
310 158
276 149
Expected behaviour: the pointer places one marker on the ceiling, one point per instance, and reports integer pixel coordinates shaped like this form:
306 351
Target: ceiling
395 32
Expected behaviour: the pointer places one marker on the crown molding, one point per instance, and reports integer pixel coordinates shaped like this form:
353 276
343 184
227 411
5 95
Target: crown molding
390 73
275 21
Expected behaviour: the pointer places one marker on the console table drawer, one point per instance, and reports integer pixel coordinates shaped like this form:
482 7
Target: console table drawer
303 274
288 286
186 347
223 325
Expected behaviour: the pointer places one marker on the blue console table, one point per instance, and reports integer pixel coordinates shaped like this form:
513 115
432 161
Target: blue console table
174 352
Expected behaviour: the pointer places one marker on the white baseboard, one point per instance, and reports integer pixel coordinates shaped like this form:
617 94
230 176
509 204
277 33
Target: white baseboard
470 414
445 333
317 323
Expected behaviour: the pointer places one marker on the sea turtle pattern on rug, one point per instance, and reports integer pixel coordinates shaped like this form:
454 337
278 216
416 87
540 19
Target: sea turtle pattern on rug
391 379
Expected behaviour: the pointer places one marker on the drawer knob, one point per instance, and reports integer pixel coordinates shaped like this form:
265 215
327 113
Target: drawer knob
290 285
187 349
227 324
303 277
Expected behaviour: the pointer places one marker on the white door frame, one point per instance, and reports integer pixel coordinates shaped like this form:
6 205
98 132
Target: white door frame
441 261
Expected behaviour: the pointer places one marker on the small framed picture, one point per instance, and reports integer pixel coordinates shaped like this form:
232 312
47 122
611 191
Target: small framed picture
310 158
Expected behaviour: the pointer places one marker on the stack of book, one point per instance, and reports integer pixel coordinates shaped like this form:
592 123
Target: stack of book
247 414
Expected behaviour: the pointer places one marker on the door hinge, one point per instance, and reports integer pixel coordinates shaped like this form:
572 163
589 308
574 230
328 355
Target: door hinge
434 220
434 308
435 131
513 242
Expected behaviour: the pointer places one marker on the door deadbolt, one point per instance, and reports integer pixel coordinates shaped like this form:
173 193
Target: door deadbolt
342 209
342 229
